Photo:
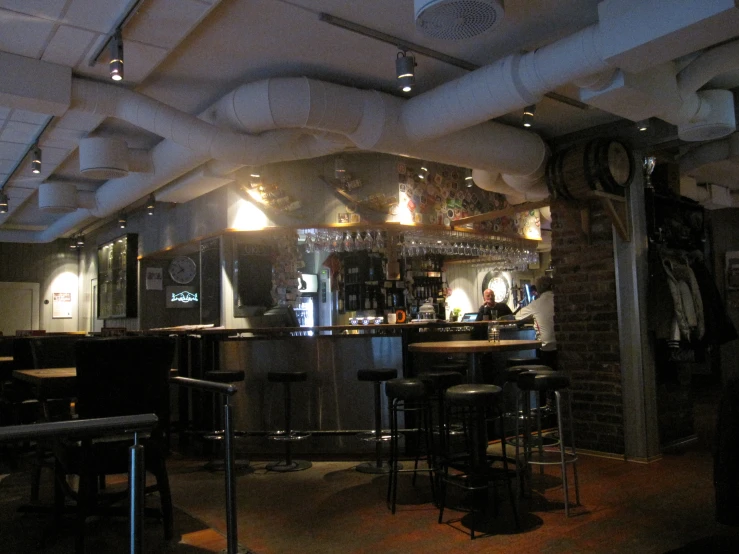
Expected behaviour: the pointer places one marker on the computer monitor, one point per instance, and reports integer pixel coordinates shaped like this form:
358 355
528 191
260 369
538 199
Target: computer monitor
469 316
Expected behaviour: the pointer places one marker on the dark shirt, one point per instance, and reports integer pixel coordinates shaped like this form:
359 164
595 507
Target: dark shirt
480 331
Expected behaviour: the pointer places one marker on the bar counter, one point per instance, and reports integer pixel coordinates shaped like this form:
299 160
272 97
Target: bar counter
332 403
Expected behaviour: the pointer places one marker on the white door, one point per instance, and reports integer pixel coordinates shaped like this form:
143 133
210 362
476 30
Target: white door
19 307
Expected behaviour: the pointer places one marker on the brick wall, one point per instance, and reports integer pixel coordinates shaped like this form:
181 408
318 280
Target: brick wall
586 325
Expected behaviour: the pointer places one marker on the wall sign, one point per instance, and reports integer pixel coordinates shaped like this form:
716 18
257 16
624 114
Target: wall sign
154 278
61 305
182 297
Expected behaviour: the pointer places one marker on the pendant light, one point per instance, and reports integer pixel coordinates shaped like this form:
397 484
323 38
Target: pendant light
116 56
36 160
405 65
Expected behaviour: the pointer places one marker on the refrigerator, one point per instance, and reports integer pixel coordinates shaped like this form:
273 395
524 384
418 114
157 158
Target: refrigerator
316 303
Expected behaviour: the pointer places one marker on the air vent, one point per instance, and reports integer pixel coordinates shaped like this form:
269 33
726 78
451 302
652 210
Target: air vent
456 19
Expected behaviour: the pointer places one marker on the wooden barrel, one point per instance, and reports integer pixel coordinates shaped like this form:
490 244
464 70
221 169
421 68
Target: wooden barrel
599 164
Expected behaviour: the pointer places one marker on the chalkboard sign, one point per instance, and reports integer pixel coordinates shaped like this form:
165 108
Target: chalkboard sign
253 279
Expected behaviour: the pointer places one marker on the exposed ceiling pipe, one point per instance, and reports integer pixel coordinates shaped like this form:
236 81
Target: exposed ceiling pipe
503 86
370 120
706 66
710 153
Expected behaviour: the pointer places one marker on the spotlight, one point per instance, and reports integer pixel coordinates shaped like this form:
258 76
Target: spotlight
642 125
122 221
116 56
80 241
468 179
36 160
3 202
151 205
72 244
405 70
528 115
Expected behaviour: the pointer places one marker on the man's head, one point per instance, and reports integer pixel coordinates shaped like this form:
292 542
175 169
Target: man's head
543 284
489 297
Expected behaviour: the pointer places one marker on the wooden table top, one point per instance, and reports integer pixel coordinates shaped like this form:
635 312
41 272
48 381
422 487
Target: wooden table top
46 376
472 346
6 358
53 376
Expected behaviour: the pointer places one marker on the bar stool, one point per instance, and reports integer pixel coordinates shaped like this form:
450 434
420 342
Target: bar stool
376 376
472 469
437 382
408 396
288 436
218 434
554 381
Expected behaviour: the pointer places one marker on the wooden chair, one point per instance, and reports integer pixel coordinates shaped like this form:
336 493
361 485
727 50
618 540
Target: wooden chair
117 377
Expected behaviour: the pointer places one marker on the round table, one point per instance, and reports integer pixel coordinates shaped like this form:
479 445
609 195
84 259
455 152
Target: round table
472 348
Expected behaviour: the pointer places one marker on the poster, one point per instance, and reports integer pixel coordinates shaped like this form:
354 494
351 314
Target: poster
61 305
154 278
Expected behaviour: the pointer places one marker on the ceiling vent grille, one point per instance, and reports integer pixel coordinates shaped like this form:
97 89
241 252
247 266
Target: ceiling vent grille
456 19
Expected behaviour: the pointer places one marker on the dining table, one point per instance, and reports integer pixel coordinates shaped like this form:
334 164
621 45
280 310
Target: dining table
472 348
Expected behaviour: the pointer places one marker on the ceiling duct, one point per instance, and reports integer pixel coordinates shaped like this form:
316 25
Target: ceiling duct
103 157
719 122
456 19
57 198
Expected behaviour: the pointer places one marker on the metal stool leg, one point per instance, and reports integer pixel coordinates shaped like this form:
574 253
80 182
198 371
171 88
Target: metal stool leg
379 465
288 464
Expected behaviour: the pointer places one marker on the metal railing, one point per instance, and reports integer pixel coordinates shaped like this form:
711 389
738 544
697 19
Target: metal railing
88 428
226 391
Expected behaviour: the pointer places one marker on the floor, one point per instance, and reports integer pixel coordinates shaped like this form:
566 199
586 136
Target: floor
665 506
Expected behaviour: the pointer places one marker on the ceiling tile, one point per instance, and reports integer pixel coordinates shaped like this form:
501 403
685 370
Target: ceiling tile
11 150
53 156
69 46
140 60
16 131
63 138
25 116
163 24
95 15
24 35
6 166
51 9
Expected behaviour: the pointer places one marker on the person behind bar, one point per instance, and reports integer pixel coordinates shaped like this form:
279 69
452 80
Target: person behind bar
541 313
489 310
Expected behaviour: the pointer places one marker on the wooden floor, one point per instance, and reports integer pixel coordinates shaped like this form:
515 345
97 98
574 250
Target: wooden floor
665 506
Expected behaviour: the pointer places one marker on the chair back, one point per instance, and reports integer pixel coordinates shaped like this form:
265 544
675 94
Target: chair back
124 376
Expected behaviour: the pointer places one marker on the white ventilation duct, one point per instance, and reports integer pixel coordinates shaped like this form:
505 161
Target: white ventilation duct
57 198
457 111
103 157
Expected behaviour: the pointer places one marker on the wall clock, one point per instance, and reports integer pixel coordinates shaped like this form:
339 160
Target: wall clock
182 270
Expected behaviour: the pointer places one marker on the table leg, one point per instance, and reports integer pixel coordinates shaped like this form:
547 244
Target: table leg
474 373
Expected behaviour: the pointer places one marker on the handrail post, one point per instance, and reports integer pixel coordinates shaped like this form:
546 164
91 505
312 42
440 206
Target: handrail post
136 477
228 458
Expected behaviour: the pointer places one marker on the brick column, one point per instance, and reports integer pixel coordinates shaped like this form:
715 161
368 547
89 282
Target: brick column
586 325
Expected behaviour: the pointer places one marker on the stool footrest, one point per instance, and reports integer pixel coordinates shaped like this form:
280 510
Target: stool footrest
371 436
551 457
292 436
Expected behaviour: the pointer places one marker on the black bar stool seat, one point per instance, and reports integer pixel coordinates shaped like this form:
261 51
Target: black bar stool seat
378 436
288 436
